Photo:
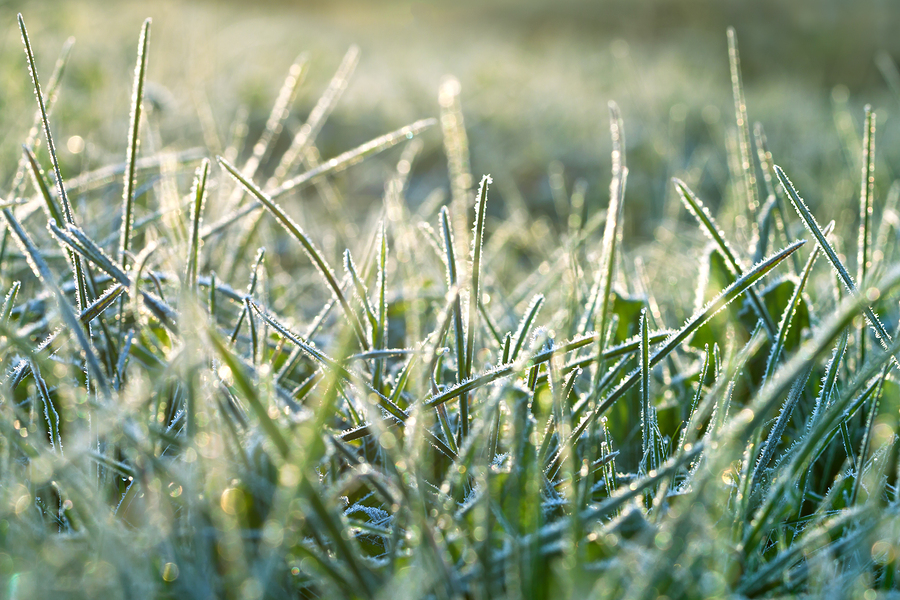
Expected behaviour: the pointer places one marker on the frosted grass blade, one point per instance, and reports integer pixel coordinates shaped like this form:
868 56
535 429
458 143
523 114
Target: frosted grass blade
134 128
791 309
864 242
712 229
335 165
474 295
311 251
810 221
748 178
192 271
51 149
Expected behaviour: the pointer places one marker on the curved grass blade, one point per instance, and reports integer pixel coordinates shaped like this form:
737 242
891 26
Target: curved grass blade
810 221
711 228
311 251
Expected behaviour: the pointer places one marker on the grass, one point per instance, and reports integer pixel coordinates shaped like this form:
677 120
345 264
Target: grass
479 413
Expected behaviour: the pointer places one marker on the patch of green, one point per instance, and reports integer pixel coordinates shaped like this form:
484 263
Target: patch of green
437 399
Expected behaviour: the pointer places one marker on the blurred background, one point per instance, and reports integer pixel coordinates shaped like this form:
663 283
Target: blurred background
535 79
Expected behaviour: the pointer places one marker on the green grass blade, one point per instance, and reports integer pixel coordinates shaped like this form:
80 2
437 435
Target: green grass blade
790 310
251 289
767 165
250 392
334 165
8 302
52 90
474 294
453 284
199 195
362 293
711 228
69 316
311 251
864 242
51 149
748 178
606 271
810 221
134 128
525 324
37 175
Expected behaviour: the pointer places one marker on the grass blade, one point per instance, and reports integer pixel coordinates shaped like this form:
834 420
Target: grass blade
474 295
604 275
791 309
309 248
866 194
306 136
80 282
134 128
192 271
743 125
810 221
711 228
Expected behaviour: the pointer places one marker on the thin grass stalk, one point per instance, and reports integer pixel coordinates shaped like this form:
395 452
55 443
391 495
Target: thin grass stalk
134 128
52 92
745 147
474 296
306 136
867 434
192 272
51 149
525 324
866 198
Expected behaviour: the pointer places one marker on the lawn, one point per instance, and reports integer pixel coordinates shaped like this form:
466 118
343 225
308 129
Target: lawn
449 301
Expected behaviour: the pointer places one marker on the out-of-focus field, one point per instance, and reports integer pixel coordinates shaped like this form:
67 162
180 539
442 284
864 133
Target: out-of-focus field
535 80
